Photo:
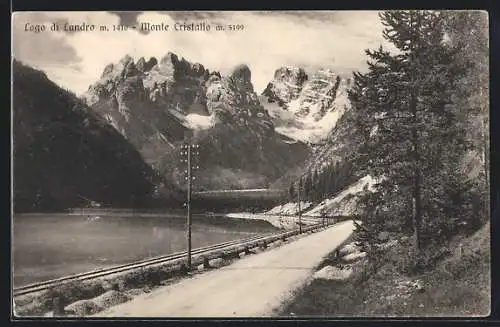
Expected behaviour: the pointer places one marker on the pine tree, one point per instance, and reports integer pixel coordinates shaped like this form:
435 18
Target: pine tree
327 181
300 190
403 111
333 179
291 192
342 175
308 187
322 184
315 186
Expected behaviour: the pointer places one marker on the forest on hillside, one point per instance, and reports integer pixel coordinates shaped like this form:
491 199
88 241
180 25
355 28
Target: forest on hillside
317 185
423 113
421 116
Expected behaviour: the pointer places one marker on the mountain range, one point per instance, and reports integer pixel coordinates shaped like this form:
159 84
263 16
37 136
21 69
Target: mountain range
159 104
142 111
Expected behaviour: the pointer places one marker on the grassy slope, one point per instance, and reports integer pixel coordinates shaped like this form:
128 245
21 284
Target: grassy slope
458 285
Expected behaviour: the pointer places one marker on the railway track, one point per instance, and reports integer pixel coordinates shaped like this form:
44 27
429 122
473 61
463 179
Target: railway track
230 245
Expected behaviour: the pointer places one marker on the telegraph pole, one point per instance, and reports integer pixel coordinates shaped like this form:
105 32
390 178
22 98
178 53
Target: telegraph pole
188 150
188 206
300 214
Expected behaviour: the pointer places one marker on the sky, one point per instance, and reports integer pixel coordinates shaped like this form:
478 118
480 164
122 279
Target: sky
269 40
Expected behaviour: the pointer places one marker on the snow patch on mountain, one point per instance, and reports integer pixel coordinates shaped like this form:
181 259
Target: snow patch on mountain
344 203
199 122
306 109
290 208
310 131
194 122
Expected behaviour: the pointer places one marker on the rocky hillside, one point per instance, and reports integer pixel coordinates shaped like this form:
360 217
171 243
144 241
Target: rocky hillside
130 97
156 104
314 109
306 107
343 203
339 143
343 140
65 155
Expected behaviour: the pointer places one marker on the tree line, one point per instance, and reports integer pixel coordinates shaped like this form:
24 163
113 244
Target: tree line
319 184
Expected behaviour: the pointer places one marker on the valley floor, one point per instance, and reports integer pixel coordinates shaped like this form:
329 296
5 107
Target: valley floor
254 286
458 285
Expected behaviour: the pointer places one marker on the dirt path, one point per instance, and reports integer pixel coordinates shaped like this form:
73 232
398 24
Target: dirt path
253 286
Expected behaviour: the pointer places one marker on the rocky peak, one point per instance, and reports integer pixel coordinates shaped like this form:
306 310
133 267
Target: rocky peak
107 70
169 59
179 87
306 107
125 60
130 69
286 85
145 66
171 82
213 77
141 63
290 74
198 69
242 78
151 63
318 94
124 68
171 66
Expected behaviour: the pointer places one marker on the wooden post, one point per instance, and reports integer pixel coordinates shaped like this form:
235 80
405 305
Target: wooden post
187 150
58 307
206 263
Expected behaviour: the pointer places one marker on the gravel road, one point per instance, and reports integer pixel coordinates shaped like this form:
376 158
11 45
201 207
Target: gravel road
254 286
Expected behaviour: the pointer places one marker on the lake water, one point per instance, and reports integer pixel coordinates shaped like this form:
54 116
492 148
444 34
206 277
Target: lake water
47 246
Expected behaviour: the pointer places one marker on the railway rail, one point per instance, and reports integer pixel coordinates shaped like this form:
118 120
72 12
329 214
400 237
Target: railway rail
200 255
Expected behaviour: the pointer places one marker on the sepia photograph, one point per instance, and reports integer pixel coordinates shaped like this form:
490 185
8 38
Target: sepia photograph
250 164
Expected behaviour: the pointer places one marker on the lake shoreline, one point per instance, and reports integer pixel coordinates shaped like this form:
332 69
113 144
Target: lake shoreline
47 246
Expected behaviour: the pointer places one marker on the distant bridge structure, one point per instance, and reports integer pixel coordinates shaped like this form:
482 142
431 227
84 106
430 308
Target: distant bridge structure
245 194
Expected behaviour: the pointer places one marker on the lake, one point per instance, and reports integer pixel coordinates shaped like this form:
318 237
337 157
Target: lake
47 246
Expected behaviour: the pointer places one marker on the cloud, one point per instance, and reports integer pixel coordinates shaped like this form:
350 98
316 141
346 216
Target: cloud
127 17
40 48
269 40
